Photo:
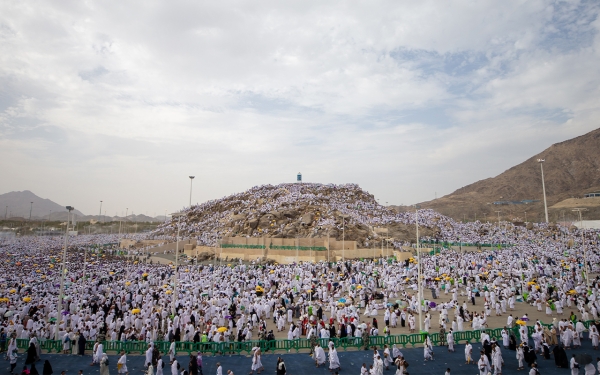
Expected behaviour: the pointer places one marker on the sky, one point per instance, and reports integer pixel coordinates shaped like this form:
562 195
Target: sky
121 101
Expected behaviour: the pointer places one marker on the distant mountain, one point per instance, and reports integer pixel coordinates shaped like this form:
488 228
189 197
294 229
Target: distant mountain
18 204
571 169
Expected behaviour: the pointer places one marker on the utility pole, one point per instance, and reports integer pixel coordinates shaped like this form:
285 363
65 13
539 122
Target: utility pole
175 277
582 229
62 274
420 284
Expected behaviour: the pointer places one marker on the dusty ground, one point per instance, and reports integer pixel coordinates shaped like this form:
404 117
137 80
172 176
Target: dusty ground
521 308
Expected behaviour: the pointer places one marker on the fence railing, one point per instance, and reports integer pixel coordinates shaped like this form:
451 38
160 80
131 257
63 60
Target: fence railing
234 246
303 248
245 347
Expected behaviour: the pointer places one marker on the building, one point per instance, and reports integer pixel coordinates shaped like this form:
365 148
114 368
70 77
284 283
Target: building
595 194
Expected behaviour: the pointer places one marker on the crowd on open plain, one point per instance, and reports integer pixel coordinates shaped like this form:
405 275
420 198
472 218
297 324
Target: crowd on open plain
113 297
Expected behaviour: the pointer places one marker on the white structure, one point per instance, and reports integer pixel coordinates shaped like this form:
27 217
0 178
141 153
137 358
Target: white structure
299 177
587 224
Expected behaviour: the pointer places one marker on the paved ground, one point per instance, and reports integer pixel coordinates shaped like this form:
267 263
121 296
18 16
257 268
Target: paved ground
351 362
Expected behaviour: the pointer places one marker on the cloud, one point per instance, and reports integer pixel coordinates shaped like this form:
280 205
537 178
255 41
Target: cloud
125 99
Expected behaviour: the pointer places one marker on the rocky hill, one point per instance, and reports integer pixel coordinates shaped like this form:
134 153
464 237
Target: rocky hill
304 210
18 203
571 168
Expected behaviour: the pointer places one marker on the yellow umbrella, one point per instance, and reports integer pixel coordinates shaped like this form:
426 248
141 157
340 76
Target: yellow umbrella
127 283
51 265
38 271
272 271
168 292
437 279
136 311
4 299
27 299
359 287
520 322
221 329
13 291
145 274
111 273
165 286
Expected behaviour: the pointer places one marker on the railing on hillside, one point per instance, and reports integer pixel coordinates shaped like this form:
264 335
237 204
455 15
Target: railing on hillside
231 347
303 248
234 246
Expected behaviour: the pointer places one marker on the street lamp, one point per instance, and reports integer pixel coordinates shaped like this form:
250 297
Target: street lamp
100 212
178 215
30 209
525 217
419 283
343 239
62 273
191 181
541 161
578 210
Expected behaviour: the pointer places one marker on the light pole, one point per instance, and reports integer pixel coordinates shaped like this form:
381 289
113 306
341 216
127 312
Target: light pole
541 161
578 210
30 209
498 212
525 217
100 212
419 283
343 239
191 181
178 215
62 273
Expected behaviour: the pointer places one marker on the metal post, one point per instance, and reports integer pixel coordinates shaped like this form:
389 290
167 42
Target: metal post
420 291
343 239
191 180
585 261
62 275
328 248
175 278
541 161
100 212
30 209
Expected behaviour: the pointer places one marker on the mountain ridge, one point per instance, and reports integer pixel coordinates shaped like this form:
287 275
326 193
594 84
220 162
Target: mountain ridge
571 169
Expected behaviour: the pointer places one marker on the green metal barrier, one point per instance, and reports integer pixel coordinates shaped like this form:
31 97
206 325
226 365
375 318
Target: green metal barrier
231 347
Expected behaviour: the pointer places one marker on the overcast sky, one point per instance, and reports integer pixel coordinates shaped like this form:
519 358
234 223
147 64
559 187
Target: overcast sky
121 101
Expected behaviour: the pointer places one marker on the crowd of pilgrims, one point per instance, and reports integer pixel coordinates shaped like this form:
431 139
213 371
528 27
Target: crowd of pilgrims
115 298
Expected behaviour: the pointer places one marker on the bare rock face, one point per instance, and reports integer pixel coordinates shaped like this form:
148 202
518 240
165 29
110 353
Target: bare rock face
308 218
253 223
